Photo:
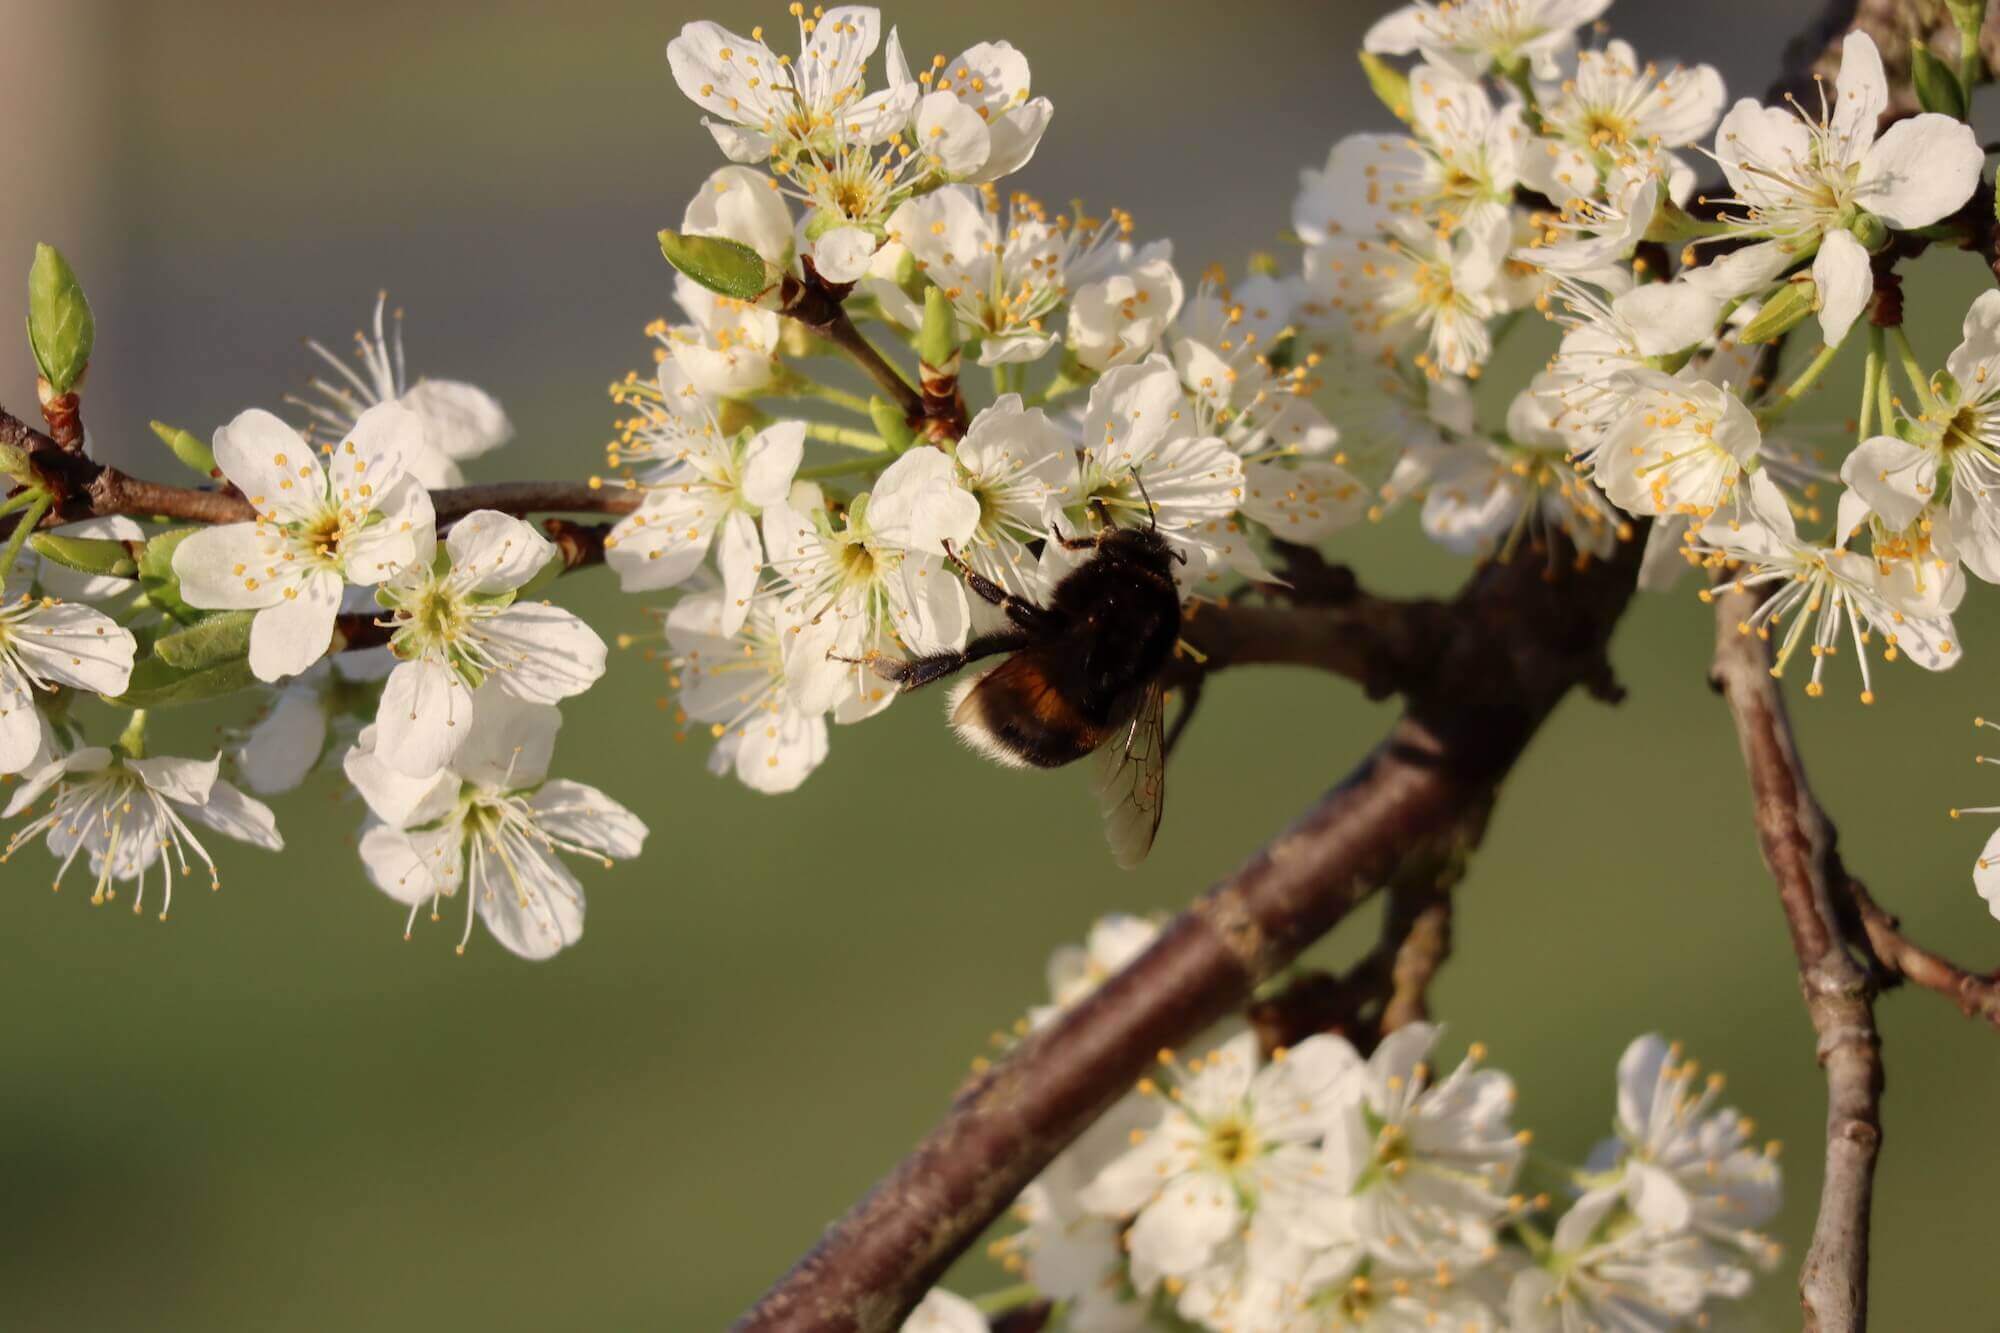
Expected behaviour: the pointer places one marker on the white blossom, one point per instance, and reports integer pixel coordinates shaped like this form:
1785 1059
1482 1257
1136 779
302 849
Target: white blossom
1829 592
1234 1156
127 815
974 120
1414 285
1463 158
461 421
1473 36
704 490
458 622
357 520
492 824
1680 448
729 661
852 590
1606 1271
45 645
1803 183
1426 1164
1684 1163
762 105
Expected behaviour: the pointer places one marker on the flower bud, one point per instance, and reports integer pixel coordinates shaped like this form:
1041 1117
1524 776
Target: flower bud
1791 306
937 345
198 457
1871 231
60 329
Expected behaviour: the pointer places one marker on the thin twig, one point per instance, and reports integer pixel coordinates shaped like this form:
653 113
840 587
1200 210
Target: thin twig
1798 845
1977 995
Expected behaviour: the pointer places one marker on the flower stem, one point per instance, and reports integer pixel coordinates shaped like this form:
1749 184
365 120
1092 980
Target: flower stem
995 1302
1912 369
1870 387
1800 386
846 467
37 506
801 387
846 435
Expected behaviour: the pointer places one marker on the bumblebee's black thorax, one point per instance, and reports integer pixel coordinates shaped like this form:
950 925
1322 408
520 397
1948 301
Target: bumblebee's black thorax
1120 616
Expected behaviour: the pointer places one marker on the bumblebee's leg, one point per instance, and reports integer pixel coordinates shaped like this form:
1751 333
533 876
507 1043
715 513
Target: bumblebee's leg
1019 609
1190 700
915 672
1073 543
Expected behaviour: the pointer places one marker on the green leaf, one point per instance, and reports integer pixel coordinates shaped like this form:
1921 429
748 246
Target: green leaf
187 447
1390 84
1938 88
60 329
218 639
157 683
87 555
726 267
157 577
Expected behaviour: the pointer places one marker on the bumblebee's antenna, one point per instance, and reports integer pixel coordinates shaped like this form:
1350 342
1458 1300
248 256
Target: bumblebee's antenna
1152 515
1103 511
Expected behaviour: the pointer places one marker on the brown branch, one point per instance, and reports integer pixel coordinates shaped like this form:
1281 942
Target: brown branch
1798 843
1384 644
1520 640
816 304
85 489
1902 959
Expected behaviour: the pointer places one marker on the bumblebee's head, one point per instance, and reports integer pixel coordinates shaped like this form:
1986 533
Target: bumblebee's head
1141 546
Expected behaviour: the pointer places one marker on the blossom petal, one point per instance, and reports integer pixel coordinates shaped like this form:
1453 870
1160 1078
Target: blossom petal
586 817
543 653
1845 281
295 631
1920 171
498 551
271 464
423 719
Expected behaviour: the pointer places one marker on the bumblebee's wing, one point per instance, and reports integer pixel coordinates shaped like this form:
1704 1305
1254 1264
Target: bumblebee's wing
1135 780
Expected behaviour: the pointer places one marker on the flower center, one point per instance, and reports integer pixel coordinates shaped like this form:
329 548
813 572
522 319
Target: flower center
1231 1143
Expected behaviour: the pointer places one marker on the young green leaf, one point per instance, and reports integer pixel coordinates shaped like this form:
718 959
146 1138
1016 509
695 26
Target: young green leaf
157 577
87 555
725 267
1938 88
60 329
218 639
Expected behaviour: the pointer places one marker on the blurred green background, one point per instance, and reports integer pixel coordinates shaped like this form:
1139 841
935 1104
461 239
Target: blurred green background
273 1114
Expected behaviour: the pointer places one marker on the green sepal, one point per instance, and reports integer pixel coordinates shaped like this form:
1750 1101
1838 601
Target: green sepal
726 267
890 425
187 447
1792 306
86 555
60 329
157 577
1938 88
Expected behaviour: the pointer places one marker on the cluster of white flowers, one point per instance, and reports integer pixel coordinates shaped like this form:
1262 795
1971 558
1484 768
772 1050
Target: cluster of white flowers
1317 1189
1535 172
454 714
